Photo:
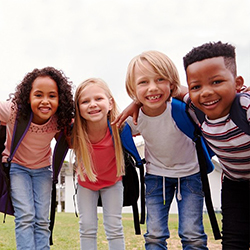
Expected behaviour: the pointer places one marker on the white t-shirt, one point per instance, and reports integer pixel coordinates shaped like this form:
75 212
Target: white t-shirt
168 151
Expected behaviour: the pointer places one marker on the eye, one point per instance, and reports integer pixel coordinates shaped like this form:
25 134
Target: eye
217 82
99 98
84 102
160 79
142 82
195 87
53 96
38 95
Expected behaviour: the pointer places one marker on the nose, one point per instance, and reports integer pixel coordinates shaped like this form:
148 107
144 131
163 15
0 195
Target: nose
206 91
152 86
92 103
45 100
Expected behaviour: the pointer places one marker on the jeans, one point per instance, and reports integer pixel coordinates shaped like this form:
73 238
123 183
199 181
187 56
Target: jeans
190 209
112 202
30 193
235 214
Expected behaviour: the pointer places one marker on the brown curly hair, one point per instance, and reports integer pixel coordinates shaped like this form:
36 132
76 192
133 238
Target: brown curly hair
65 110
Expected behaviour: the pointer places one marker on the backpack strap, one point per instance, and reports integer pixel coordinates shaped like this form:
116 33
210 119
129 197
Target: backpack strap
21 127
238 114
185 123
129 146
59 153
188 127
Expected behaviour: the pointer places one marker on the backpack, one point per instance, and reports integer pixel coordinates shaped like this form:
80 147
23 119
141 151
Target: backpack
130 180
185 123
61 148
20 129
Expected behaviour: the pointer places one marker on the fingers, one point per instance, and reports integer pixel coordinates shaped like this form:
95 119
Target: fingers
135 117
119 120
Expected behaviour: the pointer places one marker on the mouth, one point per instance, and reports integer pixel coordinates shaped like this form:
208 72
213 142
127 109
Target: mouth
94 112
44 110
153 97
210 103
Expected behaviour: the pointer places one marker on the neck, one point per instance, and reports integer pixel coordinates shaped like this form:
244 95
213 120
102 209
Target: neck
97 131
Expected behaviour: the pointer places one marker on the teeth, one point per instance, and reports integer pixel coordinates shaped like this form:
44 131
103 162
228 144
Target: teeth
210 103
154 97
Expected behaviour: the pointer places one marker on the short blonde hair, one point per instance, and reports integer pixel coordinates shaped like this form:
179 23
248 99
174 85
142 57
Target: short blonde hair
80 140
162 65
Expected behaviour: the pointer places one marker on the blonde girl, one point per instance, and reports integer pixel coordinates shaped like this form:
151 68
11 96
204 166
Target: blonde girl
100 164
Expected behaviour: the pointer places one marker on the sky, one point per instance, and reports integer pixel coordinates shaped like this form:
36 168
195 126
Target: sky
97 38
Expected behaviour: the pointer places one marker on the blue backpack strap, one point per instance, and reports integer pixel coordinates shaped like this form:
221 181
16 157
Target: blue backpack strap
238 114
189 128
129 145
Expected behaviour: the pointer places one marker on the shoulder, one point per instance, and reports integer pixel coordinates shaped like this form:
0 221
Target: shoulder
7 111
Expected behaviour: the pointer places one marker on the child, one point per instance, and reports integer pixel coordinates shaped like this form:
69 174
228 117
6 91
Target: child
213 83
100 164
171 160
47 93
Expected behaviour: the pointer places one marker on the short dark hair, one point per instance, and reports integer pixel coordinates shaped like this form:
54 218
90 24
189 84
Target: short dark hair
210 50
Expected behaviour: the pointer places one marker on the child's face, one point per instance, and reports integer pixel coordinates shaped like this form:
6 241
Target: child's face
94 104
212 87
44 99
152 90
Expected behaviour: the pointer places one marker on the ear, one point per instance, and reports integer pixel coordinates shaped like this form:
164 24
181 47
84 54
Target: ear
239 81
111 103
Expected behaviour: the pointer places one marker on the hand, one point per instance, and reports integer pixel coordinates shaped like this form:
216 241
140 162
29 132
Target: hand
132 110
184 91
245 89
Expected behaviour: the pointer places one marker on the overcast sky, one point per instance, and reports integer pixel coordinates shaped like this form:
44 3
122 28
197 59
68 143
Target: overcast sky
95 38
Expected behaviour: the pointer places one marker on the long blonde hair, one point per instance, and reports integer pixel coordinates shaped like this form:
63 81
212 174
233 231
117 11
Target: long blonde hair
162 65
80 140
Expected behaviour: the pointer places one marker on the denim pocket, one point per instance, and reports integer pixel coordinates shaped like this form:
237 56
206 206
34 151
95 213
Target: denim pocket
151 182
194 184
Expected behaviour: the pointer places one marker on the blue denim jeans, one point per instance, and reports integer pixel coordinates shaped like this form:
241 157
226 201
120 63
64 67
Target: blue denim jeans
190 210
30 193
112 201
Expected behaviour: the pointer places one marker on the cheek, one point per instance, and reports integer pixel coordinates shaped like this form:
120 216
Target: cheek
194 98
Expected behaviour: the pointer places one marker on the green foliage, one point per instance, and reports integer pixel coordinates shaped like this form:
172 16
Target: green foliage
66 233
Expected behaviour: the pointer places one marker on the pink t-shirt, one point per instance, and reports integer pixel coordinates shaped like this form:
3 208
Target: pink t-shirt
34 152
104 160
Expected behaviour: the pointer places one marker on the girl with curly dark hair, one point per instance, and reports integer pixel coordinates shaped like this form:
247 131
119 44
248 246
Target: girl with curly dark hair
47 93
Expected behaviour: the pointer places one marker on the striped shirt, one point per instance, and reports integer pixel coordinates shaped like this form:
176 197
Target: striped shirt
230 144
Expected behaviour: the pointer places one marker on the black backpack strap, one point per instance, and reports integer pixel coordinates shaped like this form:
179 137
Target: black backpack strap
238 114
60 151
136 218
21 127
205 185
141 169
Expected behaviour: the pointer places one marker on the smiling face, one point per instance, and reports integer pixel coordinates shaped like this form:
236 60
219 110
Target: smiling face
212 87
94 104
152 90
43 99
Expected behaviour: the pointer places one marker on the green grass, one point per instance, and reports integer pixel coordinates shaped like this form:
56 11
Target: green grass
66 236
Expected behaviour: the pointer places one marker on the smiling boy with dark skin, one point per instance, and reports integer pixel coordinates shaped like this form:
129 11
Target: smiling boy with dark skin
213 83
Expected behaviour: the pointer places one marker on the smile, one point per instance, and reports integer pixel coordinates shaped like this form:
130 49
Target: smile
153 97
210 103
44 110
94 112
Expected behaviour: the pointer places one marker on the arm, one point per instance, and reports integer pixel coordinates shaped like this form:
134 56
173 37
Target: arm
184 91
131 110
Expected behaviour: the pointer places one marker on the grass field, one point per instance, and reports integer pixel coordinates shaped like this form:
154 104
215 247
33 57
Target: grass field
66 235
